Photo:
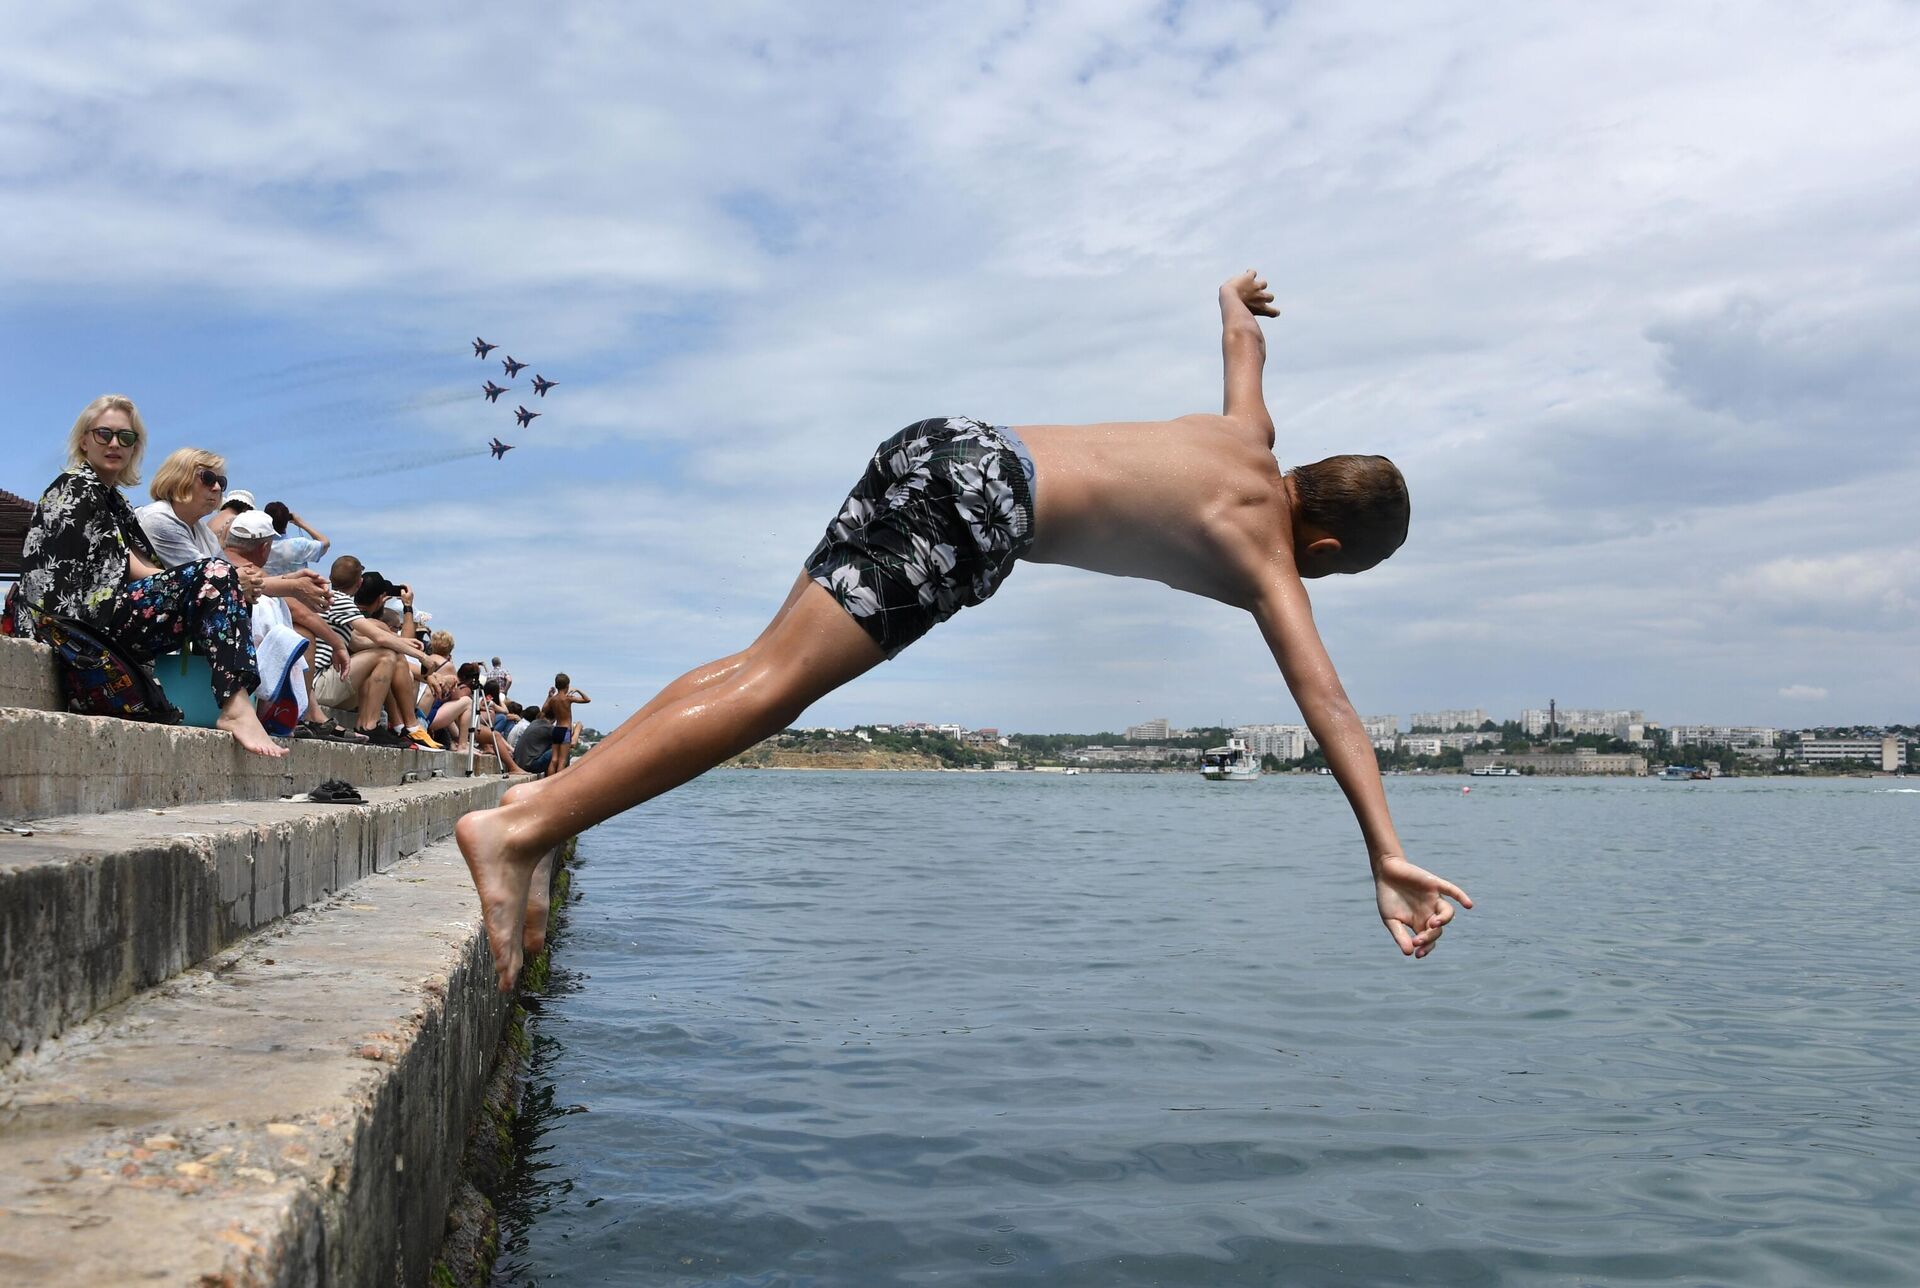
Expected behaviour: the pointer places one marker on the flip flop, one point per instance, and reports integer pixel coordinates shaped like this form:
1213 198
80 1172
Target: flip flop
336 792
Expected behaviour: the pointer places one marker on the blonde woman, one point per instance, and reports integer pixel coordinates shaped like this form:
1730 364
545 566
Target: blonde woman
86 557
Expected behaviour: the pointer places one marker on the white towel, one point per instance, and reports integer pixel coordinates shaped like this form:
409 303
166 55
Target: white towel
281 656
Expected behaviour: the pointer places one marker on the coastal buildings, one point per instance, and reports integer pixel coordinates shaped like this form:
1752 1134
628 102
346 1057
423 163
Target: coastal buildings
1581 760
1154 730
1571 720
1448 720
1722 736
1284 742
1888 752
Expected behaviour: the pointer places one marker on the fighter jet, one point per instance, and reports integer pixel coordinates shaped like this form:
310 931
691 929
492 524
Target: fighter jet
493 391
524 416
541 384
499 449
481 348
513 368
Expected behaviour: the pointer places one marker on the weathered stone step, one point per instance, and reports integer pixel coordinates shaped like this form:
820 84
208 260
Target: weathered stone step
54 763
95 908
289 1113
27 676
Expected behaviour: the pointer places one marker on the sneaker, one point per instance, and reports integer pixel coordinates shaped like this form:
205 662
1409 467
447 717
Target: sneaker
423 740
381 736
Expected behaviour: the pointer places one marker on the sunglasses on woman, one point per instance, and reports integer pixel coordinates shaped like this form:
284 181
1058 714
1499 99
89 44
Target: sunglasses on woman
211 479
105 436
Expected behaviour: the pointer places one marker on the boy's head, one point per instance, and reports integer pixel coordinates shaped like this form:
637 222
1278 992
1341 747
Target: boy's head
561 682
1350 512
345 574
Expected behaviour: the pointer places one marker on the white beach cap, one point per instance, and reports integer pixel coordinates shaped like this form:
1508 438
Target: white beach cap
239 494
252 526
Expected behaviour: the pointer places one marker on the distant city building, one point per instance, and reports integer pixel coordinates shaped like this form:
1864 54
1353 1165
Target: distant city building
1132 755
1722 736
1462 741
1380 726
1449 720
1284 742
1421 744
1889 752
1148 731
1574 720
1581 760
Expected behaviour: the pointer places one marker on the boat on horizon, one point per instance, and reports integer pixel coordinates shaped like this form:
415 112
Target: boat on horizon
1684 774
1233 763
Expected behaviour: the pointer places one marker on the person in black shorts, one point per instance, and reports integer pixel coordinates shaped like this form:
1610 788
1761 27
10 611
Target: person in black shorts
937 520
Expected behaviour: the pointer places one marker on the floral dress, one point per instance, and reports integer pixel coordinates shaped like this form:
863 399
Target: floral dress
74 565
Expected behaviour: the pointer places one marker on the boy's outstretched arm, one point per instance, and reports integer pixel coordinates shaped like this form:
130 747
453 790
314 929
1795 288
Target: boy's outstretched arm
1412 901
1243 350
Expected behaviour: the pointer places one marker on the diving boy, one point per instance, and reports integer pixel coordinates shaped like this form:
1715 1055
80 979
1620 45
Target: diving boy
942 513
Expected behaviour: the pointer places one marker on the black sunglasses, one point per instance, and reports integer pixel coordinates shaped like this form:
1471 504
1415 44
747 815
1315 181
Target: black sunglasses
211 479
127 437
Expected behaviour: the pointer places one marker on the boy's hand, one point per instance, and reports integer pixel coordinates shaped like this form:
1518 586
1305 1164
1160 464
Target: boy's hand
1411 905
1250 290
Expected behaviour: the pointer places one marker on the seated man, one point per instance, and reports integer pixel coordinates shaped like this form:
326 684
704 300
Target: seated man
281 650
536 750
353 587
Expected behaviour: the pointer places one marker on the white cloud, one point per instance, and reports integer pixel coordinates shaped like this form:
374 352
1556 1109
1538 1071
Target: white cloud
1803 693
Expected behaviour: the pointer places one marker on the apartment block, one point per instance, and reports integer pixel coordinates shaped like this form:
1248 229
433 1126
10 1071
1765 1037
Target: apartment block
1448 720
1580 720
1889 752
1148 731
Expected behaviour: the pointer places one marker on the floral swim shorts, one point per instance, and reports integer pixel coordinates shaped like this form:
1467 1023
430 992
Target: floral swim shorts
933 526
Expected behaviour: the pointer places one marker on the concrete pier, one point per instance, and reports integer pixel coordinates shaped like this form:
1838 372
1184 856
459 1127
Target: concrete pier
242 1035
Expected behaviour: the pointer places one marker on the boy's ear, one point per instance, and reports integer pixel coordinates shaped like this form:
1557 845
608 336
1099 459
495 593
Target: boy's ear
1324 548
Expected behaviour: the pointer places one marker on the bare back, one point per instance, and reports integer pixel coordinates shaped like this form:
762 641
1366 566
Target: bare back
1197 503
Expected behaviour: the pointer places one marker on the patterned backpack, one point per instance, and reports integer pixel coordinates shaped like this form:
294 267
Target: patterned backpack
98 678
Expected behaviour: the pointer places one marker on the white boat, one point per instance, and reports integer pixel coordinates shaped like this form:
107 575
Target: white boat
1233 763
1685 774
1495 771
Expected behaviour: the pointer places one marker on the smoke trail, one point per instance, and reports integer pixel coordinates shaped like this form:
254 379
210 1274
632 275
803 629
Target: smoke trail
420 460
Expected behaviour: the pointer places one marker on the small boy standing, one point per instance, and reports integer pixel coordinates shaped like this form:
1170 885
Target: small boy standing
944 510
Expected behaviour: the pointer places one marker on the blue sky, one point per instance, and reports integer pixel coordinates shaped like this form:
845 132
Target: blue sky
1628 294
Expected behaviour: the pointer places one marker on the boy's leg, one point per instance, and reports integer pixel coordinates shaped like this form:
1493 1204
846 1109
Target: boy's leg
692 682
813 649
533 936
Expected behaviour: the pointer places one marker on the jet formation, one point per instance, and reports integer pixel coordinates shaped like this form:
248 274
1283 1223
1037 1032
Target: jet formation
521 415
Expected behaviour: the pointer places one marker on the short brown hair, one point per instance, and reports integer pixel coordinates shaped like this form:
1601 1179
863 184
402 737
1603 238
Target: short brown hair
173 481
1360 501
345 573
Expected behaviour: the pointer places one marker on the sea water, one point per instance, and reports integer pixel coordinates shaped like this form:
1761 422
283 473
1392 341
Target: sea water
874 1029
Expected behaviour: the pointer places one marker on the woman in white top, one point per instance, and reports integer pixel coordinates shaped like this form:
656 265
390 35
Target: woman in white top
189 485
192 484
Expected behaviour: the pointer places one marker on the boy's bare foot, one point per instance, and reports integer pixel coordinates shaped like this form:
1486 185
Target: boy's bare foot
237 718
502 876
520 793
533 936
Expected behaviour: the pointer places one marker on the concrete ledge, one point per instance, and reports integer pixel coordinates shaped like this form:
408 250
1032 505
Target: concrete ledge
292 1114
93 909
54 763
27 676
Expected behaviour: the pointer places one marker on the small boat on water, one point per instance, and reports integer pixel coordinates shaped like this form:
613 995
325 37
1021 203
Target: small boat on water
1684 774
1233 763
1495 771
